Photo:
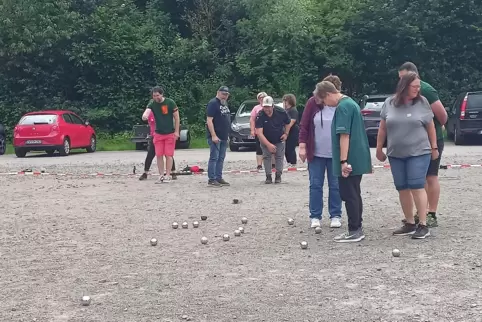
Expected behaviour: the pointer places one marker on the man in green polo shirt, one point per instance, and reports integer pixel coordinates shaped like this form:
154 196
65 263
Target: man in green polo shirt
351 155
432 185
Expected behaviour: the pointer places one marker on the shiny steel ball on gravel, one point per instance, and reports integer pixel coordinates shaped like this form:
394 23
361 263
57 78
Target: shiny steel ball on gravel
237 233
204 240
226 237
153 242
396 253
195 224
241 230
304 245
175 225
291 221
318 230
86 300
244 220
185 225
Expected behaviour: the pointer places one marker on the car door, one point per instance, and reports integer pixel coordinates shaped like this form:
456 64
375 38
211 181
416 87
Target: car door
83 131
69 129
454 114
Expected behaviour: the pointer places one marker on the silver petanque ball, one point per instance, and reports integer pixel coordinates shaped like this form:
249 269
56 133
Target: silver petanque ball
304 245
175 225
241 230
195 224
153 242
225 237
237 233
204 240
291 221
85 300
318 230
244 220
396 253
185 225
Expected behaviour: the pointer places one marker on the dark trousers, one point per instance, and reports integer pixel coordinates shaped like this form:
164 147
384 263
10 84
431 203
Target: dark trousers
151 154
350 193
291 143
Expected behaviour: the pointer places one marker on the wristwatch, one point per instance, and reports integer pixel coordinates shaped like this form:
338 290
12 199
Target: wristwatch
343 161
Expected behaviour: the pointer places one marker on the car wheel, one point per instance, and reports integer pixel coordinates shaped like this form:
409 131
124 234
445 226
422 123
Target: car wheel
20 153
50 152
234 148
93 145
458 138
65 149
185 144
3 144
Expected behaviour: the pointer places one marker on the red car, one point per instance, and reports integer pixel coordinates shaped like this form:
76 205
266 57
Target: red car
52 131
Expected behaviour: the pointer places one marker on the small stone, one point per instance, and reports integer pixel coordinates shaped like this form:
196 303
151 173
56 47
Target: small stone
235 201
184 317
396 253
318 230
473 305
204 217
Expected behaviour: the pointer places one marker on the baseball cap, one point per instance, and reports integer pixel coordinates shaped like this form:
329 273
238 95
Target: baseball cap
268 101
261 94
223 89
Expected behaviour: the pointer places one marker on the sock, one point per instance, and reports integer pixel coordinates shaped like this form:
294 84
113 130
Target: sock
433 214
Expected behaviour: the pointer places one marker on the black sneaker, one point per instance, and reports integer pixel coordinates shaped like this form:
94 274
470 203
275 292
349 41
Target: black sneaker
213 183
277 178
421 233
223 182
143 176
350 237
269 180
406 229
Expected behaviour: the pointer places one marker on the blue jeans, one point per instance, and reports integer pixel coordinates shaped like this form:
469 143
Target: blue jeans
217 153
411 172
317 169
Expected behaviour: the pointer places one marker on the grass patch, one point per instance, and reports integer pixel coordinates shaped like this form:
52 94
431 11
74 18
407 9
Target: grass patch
124 144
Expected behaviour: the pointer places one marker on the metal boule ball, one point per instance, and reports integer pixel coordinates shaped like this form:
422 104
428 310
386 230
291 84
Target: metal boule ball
318 230
237 233
204 240
195 224
304 245
185 225
175 225
235 201
153 242
85 300
291 221
225 237
396 253
241 230
204 217
244 220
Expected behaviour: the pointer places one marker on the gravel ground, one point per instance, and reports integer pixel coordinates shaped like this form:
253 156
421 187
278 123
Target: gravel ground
63 237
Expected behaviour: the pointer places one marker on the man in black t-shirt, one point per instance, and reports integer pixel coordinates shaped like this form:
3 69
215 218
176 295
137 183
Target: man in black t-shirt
272 132
218 123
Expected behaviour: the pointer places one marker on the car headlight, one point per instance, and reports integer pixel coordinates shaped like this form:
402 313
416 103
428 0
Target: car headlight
235 127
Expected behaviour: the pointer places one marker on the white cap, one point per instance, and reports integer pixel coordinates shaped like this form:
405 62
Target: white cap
267 101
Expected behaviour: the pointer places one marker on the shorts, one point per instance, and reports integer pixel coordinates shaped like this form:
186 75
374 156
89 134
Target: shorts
164 144
259 151
411 172
435 164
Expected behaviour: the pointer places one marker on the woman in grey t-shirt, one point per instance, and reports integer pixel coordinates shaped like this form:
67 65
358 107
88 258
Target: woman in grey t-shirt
407 125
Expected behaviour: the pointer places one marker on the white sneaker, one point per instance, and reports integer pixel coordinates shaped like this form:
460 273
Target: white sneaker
161 180
335 222
315 222
167 179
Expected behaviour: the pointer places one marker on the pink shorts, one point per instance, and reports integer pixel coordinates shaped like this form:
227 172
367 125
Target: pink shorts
164 144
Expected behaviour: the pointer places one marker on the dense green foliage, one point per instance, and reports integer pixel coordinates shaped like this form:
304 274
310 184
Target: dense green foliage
100 57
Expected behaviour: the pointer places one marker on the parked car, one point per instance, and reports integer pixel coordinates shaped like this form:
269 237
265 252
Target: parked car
141 133
240 134
3 140
465 117
51 131
371 106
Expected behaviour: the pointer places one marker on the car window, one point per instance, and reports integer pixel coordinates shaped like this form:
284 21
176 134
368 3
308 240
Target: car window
374 104
474 101
38 119
76 119
246 108
67 118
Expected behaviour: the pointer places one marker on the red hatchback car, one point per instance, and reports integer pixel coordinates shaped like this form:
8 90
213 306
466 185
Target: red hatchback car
52 131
